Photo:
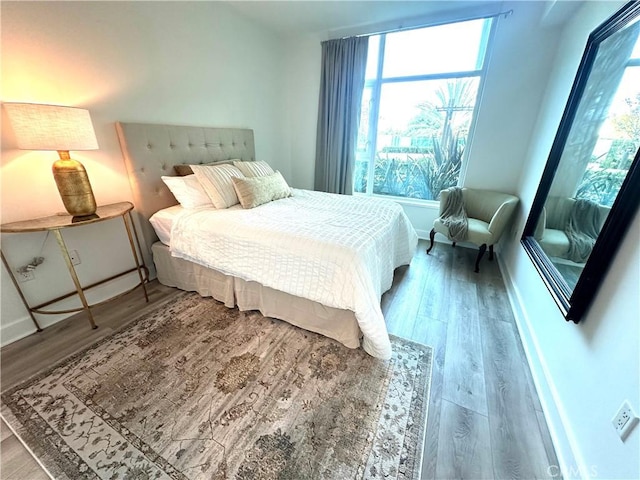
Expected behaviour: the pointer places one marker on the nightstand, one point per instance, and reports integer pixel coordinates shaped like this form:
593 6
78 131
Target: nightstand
57 224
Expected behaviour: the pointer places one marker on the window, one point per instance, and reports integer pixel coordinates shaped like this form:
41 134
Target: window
420 95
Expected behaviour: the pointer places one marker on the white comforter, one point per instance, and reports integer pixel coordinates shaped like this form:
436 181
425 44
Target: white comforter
337 250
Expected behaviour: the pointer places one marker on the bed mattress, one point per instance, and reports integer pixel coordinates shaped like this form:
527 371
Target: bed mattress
336 250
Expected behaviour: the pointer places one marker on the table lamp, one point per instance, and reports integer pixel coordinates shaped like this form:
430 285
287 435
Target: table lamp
52 127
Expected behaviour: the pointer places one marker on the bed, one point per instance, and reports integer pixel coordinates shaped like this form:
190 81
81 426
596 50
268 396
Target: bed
152 151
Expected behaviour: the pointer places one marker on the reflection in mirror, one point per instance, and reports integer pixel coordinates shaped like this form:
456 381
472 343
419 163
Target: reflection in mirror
599 150
589 195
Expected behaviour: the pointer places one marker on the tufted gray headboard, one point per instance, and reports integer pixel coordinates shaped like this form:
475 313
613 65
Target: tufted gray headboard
150 151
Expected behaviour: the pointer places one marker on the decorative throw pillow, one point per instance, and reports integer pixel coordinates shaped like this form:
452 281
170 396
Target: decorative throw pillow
254 169
216 181
256 191
188 191
183 170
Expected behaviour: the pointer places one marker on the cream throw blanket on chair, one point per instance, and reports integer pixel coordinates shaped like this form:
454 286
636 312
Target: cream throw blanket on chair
582 230
454 216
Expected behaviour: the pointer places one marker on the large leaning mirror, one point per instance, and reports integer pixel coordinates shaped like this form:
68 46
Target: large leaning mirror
590 188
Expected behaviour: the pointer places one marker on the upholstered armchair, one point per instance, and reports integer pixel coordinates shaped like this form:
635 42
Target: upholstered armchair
551 230
488 213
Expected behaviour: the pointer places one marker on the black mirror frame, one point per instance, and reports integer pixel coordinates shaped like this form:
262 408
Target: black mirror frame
575 304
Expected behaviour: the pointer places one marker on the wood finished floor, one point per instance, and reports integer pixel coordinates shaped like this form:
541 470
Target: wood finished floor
485 419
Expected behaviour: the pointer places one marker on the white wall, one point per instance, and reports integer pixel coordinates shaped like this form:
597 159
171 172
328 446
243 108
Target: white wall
302 86
583 371
515 81
191 63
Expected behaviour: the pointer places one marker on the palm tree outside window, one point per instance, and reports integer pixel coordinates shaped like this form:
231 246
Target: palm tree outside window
419 101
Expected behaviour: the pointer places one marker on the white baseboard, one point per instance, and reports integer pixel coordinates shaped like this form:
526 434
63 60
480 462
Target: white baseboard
423 234
22 327
14 331
549 399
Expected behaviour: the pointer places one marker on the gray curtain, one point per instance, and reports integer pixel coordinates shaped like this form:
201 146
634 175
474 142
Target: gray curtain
342 80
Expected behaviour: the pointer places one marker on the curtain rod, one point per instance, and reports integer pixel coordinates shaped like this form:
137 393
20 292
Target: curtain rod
505 14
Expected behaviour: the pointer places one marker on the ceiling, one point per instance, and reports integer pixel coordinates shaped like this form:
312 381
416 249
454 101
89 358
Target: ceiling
324 17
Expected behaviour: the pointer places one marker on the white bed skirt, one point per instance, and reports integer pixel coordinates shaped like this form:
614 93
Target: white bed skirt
341 325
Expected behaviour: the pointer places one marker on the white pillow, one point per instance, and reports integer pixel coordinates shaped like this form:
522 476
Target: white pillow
216 181
188 191
254 169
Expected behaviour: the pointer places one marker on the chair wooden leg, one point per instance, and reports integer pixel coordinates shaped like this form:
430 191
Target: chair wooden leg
491 252
483 248
432 234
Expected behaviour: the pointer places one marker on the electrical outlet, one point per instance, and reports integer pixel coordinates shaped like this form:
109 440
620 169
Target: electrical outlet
625 420
75 258
25 276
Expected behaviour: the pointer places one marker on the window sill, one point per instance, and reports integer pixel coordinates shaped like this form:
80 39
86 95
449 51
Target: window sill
414 202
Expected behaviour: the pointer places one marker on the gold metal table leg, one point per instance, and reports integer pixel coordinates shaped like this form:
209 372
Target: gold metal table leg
15 284
134 251
74 276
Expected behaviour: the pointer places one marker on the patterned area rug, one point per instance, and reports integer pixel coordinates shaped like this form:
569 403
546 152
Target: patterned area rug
194 390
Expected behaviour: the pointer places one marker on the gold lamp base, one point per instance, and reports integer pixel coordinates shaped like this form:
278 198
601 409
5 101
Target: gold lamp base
74 187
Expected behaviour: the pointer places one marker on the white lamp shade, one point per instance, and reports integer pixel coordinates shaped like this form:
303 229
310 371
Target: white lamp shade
51 127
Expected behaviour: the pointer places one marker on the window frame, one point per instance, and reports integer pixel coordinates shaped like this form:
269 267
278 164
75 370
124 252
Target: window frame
376 83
